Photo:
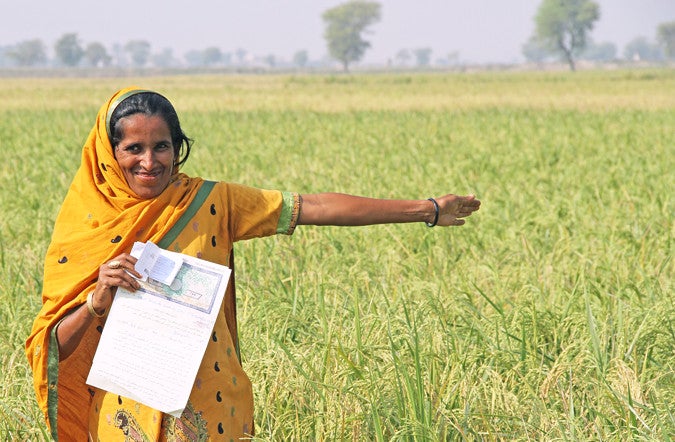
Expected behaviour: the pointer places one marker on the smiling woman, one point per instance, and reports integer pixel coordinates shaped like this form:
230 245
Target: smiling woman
130 188
147 141
145 154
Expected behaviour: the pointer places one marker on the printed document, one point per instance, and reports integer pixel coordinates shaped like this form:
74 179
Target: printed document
154 339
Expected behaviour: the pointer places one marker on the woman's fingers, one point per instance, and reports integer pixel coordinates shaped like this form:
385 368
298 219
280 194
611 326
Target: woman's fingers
124 261
124 280
455 207
467 205
119 272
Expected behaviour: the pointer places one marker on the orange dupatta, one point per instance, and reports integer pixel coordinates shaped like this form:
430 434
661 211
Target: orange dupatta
100 218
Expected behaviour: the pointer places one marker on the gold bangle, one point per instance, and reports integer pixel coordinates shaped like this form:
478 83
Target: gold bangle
90 306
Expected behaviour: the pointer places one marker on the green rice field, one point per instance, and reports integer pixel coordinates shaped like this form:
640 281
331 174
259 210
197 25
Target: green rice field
549 316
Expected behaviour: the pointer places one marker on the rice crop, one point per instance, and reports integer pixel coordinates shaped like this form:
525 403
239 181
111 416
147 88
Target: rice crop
548 316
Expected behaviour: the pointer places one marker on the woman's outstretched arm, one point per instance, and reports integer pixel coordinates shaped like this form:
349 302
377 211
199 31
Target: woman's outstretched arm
338 209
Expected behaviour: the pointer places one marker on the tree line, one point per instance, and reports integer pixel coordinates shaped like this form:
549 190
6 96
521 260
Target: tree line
562 31
70 52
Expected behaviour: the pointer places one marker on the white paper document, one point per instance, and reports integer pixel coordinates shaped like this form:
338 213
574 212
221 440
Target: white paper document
154 339
152 263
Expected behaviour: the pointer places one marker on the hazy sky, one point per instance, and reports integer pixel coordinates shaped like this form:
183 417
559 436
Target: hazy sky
480 31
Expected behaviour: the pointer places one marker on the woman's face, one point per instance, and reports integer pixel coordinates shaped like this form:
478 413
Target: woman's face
145 154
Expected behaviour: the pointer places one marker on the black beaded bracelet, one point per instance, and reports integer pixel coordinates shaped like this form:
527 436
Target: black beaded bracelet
438 209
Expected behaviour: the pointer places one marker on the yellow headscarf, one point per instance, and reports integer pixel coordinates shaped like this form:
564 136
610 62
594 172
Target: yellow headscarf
100 218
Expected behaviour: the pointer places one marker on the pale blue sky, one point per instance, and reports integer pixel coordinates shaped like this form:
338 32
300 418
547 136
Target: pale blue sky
481 31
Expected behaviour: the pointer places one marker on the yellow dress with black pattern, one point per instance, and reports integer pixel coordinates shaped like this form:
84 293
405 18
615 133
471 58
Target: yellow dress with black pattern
221 402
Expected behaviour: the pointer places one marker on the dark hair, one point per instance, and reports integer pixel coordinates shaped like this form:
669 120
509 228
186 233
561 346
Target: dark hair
151 103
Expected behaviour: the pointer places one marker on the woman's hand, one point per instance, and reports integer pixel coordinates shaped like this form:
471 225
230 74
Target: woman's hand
114 273
453 208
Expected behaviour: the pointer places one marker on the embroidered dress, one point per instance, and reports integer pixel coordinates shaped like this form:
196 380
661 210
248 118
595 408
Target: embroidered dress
221 401
100 218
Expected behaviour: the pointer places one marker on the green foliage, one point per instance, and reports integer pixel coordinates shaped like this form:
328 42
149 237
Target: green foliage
345 25
139 50
212 56
422 56
28 53
665 34
641 49
563 25
68 50
97 55
548 316
300 58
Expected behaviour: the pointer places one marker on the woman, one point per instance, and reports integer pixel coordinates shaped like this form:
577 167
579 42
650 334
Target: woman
129 188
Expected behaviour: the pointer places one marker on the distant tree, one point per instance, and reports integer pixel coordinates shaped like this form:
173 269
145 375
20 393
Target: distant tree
271 60
562 26
165 59
4 56
96 55
641 49
345 25
119 55
212 56
665 35
403 56
535 51
453 58
68 50
28 53
195 58
300 58
227 58
602 52
422 56
241 55
139 51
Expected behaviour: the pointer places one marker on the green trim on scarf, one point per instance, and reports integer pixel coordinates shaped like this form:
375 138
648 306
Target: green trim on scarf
53 382
116 103
192 209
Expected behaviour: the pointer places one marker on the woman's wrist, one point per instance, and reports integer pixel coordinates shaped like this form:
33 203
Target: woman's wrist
90 306
433 219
